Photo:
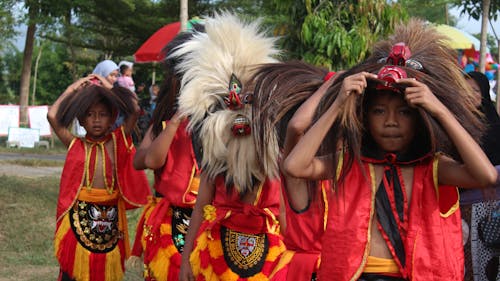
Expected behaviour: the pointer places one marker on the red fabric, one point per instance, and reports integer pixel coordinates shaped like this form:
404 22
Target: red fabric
98 267
173 180
306 243
67 257
433 243
241 212
133 184
152 49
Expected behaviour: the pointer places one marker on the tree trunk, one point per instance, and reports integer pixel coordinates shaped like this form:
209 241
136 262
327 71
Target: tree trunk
26 72
184 14
484 32
35 74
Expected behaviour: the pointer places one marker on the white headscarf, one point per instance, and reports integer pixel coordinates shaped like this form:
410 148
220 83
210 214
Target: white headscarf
105 67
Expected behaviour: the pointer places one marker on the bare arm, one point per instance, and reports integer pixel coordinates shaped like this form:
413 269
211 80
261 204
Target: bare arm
62 132
140 154
296 189
302 162
157 151
205 197
476 170
129 123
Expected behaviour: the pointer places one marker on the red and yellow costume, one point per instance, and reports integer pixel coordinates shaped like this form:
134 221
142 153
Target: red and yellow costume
239 241
91 239
164 223
432 237
303 234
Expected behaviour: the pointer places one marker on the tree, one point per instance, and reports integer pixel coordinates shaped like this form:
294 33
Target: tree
7 22
435 11
335 34
486 10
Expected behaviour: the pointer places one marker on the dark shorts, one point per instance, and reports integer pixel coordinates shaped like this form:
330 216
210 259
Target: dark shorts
379 277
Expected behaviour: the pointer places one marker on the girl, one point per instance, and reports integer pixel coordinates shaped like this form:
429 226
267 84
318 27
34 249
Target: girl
171 151
108 70
393 214
125 79
305 202
234 231
98 182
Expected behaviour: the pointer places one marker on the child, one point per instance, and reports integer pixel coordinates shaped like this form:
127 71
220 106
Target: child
234 231
125 79
171 151
108 70
98 182
394 212
305 202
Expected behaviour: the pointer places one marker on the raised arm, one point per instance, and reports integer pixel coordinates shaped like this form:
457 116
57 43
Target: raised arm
129 123
296 189
301 161
476 170
140 154
156 153
62 132
205 197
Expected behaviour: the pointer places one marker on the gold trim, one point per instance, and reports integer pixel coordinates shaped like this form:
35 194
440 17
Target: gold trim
435 178
189 189
372 212
325 201
259 194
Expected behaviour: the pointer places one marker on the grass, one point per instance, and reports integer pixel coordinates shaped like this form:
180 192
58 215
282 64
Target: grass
27 216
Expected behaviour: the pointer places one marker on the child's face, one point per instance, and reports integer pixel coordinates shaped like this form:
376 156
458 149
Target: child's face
128 72
391 122
98 121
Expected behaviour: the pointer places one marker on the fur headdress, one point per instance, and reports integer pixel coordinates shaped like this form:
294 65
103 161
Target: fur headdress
429 60
217 92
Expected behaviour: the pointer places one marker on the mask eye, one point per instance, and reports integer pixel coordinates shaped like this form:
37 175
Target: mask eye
247 98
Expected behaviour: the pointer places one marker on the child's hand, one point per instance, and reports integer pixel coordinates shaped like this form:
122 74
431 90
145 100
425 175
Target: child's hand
418 94
354 84
104 81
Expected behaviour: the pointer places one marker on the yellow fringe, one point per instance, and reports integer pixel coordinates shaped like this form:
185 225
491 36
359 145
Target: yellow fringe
61 231
215 251
160 265
81 264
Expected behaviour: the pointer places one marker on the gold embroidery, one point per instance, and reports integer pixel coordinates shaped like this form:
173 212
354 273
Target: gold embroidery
244 250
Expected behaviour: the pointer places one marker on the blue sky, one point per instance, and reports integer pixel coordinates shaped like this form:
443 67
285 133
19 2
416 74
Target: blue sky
473 26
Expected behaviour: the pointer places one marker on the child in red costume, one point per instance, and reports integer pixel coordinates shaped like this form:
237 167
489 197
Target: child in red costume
98 182
170 150
234 231
394 213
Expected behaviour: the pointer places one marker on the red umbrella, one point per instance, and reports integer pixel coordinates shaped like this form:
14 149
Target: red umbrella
151 50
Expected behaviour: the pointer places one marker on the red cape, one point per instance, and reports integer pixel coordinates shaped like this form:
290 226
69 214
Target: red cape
132 184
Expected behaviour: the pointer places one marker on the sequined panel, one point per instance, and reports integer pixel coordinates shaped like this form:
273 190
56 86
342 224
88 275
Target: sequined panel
180 224
95 226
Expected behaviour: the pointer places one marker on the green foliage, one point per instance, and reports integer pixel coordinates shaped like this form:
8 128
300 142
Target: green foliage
474 8
7 21
435 11
336 34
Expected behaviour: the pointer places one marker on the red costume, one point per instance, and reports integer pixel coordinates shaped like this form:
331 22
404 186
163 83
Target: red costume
91 240
433 238
239 241
164 223
303 233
